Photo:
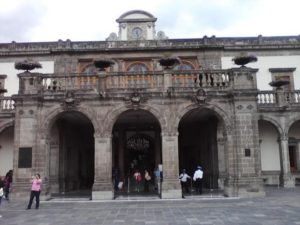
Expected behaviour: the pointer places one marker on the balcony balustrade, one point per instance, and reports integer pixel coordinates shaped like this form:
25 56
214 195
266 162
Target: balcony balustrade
34 83
273 98
266 98
293 97
7 104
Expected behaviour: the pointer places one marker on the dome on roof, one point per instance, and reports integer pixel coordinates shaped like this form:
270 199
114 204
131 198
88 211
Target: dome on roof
136 15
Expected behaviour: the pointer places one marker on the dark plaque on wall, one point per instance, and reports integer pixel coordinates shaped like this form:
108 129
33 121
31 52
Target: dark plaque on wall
25 158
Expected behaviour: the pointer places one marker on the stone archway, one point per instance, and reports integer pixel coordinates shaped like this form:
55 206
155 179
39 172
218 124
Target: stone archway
294 148
202 141
271 162
6 147
71 154
136 146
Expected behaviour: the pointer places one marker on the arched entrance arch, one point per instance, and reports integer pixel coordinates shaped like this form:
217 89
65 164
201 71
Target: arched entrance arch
269 142
71 153
6 147
136 146
294 146
202 141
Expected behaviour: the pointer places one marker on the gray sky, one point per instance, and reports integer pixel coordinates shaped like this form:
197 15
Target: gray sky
50 20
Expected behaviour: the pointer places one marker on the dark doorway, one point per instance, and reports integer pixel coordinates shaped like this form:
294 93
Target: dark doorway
72 152
198 146
293 158
136 148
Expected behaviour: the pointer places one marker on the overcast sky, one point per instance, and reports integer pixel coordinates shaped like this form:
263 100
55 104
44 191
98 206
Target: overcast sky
88 20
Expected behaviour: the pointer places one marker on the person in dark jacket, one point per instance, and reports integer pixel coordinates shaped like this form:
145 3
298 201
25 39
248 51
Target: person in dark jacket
7 183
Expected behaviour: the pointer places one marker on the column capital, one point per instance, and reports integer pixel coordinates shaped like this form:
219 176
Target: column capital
99 134
169 134
283 137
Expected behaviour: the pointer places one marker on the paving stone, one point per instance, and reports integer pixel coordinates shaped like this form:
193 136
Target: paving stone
279 207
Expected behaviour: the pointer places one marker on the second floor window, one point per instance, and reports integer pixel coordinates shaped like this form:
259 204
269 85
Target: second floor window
137 67
90 70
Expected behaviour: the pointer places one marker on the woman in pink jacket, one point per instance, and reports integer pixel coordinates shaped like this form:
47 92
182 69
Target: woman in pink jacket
35 191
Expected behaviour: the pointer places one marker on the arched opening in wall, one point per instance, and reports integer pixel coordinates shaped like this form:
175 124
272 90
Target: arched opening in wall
294 150
136 149
202 143
6 150
270 152
71 155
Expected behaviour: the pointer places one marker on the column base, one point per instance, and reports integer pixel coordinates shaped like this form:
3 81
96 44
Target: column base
247 187
102 191
171 189
102 195
289 181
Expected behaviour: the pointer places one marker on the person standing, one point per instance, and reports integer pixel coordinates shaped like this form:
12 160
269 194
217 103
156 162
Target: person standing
147 181
157 179
1 189
198 175
138 178
183 177
7 183
116 178
36 184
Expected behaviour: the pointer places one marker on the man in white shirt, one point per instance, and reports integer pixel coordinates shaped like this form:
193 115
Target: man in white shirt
198 175
183 177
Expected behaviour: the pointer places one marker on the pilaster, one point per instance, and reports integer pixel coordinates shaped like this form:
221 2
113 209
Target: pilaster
102 188
170 186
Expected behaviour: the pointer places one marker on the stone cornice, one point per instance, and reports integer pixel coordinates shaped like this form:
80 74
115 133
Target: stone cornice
234 43
282 70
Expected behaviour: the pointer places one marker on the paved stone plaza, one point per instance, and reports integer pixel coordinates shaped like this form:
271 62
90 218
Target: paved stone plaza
280 206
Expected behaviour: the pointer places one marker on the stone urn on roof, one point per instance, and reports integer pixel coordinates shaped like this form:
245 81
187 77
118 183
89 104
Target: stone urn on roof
102 64
27 65
242 60
279 83
169 62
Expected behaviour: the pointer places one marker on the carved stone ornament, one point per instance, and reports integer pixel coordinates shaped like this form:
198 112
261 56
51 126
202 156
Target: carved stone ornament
200 97
112 37
240 107
250 107
135 100
69 100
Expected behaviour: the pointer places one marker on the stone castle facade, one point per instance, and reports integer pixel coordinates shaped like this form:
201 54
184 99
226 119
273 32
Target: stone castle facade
76 125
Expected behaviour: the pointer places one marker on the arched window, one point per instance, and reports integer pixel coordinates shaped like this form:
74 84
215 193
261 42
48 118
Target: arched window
137 67
184 66
90 70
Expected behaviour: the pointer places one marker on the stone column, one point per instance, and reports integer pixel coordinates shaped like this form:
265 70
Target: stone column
287 179
157 147
121 154
103 188
170 186
221 143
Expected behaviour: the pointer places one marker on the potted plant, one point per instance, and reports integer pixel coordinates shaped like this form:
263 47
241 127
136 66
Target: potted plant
27 65
279 83
168 62
244 59
102 64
